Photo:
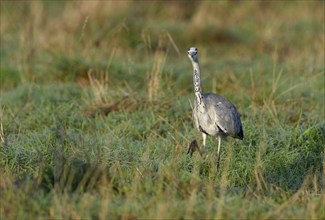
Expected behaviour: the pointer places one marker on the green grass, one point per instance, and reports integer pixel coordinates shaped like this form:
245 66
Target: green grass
95 110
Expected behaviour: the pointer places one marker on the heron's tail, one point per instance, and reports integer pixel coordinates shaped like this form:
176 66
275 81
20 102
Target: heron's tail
240 134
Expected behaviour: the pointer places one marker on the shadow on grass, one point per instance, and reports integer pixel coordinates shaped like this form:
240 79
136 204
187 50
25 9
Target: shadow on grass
307 149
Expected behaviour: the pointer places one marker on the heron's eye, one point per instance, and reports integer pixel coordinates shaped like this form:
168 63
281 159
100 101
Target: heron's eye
188 49
195 49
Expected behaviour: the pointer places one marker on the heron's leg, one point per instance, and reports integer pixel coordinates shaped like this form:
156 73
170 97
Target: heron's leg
219 143
204 136
192 147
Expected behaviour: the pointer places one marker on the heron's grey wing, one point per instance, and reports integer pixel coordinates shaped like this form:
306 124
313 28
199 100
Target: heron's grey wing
224 114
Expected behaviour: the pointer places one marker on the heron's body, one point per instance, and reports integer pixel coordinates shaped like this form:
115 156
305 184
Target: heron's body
221 117
213 115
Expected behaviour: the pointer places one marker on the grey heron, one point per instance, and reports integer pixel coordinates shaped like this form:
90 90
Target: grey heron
213 115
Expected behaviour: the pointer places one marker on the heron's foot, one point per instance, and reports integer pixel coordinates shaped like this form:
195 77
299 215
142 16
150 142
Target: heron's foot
218 164
192 147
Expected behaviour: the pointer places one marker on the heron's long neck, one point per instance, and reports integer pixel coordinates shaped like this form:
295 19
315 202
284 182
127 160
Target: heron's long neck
197 86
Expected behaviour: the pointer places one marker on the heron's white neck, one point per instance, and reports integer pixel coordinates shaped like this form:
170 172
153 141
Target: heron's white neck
197 86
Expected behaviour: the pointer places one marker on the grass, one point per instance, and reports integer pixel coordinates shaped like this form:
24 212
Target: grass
95 110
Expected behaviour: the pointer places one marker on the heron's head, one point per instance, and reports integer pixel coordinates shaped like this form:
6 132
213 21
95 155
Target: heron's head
193 54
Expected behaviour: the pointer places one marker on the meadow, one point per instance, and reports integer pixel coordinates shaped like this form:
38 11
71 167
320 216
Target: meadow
96 118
